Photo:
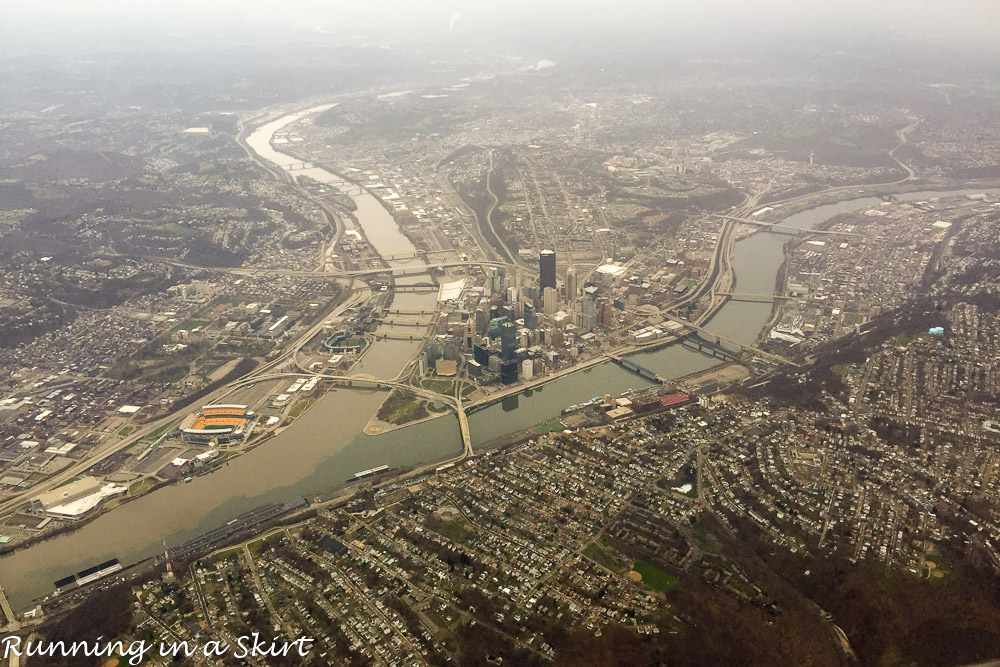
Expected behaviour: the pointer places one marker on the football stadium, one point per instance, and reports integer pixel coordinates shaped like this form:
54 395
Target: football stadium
218 423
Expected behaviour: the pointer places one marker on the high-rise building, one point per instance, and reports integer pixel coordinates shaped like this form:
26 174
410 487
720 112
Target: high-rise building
605 313
527 369
508 341
495 324
546 270
470 334
493 280
494 363
550 300
530 317
571 283
481 355
434 352
508 371
482 321
588 314
453 349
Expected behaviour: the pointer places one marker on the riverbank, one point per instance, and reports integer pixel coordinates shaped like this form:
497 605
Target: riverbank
313 458
720 376
319 453
910 191
375 426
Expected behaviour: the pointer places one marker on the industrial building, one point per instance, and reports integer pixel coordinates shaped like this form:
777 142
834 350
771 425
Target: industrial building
75 499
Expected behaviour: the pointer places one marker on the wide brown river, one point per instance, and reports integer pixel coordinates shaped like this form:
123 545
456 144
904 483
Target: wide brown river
327 445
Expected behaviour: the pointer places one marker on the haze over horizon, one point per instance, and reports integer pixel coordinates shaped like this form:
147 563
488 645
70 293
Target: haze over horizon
64 25
542 332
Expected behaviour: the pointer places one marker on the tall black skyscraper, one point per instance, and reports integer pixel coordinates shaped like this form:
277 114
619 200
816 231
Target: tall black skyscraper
481 355
508 371
508 341
547 269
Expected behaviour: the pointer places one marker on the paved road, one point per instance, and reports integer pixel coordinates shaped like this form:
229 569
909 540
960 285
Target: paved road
103 452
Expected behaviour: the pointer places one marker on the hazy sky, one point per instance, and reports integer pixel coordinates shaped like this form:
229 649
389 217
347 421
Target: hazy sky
37 26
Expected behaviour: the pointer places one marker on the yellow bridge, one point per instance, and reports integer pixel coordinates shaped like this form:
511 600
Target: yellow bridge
463 425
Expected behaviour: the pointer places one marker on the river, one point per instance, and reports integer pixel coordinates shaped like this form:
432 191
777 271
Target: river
327 445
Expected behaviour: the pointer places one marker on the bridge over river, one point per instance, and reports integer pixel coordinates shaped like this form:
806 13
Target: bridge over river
366 381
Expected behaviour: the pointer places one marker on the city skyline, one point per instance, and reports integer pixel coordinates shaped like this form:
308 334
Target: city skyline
549 333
